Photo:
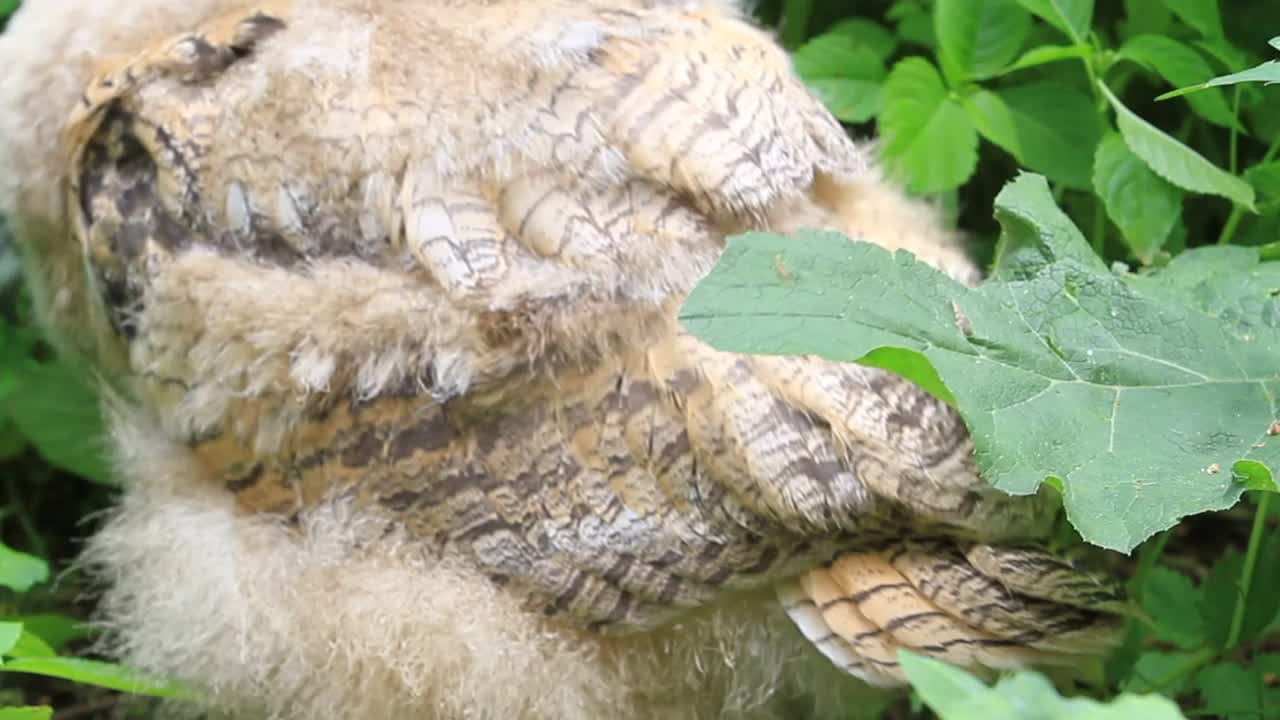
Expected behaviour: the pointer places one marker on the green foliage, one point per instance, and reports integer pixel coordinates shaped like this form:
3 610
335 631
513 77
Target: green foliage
1120 350
955 695
1124 347
1058 364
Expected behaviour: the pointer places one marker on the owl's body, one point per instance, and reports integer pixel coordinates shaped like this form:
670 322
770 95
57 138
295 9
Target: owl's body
383 295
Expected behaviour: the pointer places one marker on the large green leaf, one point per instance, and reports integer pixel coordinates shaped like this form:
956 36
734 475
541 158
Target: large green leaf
1050 127
955 695
927 138
1174 161
1140 394
978 38
1070 16
1142 204
847 77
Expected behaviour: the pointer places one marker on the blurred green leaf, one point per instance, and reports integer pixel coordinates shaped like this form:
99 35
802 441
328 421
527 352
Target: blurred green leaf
41 712
1070 16
1233 692
867 34
847 76
1173 603
927 137
56 630
58 413
978 38
20 571
93 672
1203 15
955 695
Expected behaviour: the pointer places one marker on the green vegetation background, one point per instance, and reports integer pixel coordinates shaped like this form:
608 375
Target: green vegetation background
963 95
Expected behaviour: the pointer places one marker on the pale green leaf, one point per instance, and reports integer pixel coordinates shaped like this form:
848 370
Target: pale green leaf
1059 365
1070 16
1049 127
1142 204
1174 161
926 136
1268 73
846 76
20 571
93 672
941 686
10 633
953 694
1180 65
978 38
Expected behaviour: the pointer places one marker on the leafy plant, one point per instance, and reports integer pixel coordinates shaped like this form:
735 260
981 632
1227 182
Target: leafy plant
1124 348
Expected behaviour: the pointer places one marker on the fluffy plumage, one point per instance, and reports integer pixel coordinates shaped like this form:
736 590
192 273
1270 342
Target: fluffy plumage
383 294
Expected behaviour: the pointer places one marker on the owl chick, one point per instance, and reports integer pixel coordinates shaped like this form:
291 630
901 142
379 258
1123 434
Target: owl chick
382 298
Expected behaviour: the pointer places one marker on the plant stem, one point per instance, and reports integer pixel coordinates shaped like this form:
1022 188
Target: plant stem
1099 228
1235 133
795 22
1246 573
1237 212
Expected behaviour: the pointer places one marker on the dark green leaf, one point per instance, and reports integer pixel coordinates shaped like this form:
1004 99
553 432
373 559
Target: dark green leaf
1142 204
1050 127
1203 15
1172 601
